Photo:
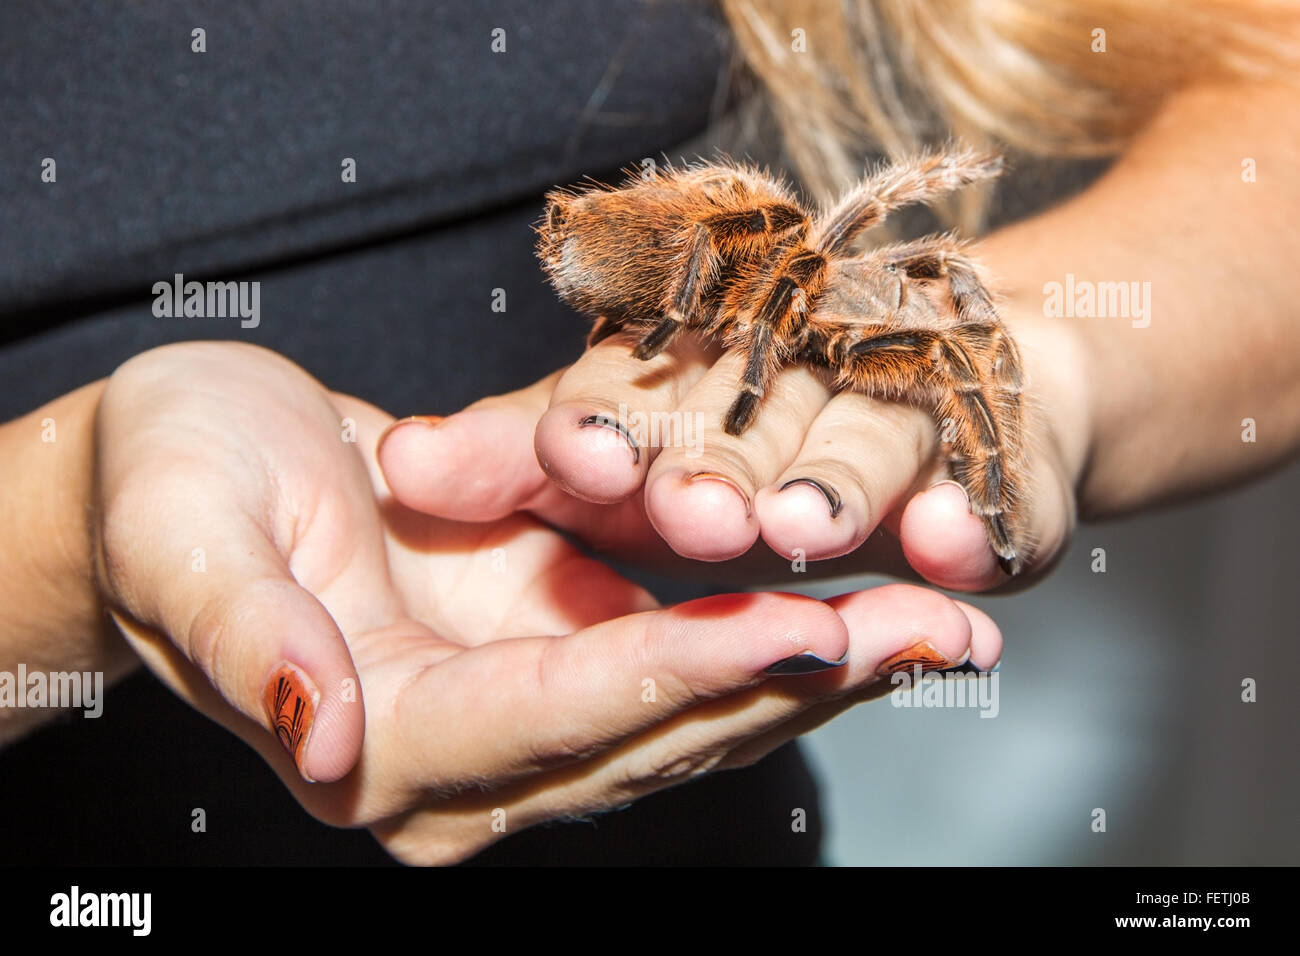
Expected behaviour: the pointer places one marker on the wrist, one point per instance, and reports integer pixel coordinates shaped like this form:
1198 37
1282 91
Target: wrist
53 618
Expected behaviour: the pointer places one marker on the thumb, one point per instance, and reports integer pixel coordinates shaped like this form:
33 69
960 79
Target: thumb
264 643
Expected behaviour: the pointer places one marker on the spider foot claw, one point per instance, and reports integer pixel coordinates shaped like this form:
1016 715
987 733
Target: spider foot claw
742 412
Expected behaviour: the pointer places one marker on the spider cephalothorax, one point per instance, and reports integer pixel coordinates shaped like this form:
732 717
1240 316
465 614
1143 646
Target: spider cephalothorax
727 251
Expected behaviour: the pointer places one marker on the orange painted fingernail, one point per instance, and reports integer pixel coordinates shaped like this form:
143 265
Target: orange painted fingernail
291 699
430 420
922 654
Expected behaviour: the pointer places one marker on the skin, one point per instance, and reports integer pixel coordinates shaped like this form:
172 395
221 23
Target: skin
462 668
315 555
1120 417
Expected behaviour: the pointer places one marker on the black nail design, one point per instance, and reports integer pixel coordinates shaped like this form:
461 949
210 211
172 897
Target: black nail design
969 668
832 496
805 664
613 424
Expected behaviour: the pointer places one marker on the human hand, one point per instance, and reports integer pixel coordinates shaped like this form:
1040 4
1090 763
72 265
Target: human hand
816 476
501 671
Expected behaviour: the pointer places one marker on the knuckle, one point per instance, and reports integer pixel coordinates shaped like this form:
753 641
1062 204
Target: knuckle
662 637
428 853
420 839
206 640
333 813
739 461
839 473
218 634
115 535
566 747
663 766
744 757
163 359
133 532
572 742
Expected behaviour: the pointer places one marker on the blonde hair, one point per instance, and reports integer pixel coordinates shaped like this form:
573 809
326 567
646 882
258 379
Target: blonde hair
1042 77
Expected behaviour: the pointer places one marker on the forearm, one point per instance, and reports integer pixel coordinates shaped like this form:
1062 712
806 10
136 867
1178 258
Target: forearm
50 614
1165 401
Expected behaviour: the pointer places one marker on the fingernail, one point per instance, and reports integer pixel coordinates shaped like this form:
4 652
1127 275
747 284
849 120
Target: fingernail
291 699
955 484
714 476
431 420
806 663
1009 567
970 668
924 654
830 494
614 425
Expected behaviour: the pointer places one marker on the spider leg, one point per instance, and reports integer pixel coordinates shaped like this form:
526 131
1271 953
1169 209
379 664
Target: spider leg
969 374
753 382
920 180
984 471
602 329
983 409
700 262
779 312
697 268
941 257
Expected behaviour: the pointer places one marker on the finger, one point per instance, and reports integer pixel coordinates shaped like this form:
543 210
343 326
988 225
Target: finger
858 460
481 465
887 627
896 629
267 646
493 458
611 413
538 703
985 645
945 543
985 638
476 465
701 500
948 546
534 580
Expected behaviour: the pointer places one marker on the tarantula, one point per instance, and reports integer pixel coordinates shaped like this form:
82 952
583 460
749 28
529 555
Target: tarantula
728 252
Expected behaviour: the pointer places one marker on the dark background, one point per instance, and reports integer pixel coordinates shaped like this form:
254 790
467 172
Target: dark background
1119 691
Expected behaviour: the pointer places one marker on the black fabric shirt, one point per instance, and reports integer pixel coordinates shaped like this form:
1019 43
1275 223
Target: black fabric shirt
226 164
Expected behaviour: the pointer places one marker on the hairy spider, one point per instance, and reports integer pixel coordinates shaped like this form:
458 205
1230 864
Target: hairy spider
726 251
